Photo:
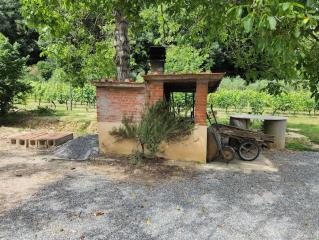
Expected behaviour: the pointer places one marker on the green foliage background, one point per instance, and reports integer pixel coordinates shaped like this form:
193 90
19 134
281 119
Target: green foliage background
11 70
235 95
260 39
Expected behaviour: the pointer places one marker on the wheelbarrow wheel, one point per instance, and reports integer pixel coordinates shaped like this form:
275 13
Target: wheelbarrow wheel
249 151
228 153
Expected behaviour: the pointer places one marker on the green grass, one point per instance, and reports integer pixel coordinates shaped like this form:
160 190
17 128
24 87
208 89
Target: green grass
305 125
297 146
31 116
309 130
79 112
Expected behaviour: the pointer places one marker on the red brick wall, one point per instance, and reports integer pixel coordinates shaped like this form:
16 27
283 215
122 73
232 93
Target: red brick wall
155 92
200 103
115 103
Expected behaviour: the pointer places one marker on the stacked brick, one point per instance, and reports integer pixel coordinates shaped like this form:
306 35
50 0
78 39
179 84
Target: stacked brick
41 139
201 103
155 92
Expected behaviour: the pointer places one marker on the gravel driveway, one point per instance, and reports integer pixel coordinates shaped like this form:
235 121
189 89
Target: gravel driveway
206 205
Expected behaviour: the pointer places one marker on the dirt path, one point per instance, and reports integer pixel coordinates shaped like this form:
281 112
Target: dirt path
23 173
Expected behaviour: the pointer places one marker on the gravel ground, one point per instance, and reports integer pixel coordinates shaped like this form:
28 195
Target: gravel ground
80 149
207 205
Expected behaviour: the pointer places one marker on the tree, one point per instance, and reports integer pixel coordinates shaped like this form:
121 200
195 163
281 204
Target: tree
122 46
14 28
261 38
184 59
81 24
11 70
269 39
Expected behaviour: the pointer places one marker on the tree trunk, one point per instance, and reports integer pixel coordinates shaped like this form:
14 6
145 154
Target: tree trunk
71 97
122 46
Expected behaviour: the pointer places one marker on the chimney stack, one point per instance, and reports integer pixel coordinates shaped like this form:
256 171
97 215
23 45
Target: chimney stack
157 58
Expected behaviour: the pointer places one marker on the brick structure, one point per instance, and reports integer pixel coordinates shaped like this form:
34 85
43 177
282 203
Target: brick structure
114 101
155 92
118 99
201 103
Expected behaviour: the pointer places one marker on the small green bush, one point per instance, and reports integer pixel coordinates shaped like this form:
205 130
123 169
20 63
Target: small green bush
258 102
46 69
157 125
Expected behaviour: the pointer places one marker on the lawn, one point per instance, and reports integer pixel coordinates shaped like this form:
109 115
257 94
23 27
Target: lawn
79 112
81 120
306 125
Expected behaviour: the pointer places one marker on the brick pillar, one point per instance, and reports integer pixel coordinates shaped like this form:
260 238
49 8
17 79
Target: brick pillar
155 92
201 103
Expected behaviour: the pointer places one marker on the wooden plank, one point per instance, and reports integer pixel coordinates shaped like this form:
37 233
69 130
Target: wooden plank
232 131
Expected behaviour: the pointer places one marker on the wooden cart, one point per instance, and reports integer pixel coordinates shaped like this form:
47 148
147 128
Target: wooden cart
247 143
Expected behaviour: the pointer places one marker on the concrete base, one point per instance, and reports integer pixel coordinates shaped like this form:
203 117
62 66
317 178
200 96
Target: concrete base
241 123
192 148
278 130
109 144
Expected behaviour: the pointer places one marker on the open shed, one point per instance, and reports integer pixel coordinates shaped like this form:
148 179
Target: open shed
118 99
160 86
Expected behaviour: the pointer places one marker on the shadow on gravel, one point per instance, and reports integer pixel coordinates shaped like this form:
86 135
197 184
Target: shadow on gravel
150 172
89 203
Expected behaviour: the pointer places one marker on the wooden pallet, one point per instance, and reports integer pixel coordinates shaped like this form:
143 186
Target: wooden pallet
41 139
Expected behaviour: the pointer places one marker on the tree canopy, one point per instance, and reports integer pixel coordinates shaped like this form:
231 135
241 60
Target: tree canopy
273 39
14 28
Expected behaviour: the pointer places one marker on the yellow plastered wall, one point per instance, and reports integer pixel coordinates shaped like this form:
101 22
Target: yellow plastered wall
192 148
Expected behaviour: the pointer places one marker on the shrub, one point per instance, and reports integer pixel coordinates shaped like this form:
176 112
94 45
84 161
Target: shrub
258 102
296 101
236 83
280 103
241 99
309 105
223 99
157 125
46 69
